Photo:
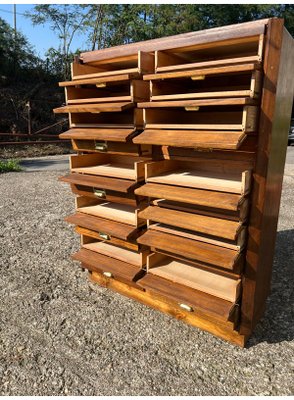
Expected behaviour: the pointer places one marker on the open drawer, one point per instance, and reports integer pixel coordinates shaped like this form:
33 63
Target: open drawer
191 288
94 108
106 229
121 213
194 117
136 258
243 84
197 139
221 229
235 204
128 119
237 51
187 274
101 187
135 64
192 249
215 175
130 91
108 266
109 165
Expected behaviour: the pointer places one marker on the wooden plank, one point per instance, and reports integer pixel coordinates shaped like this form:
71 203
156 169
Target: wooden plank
196 278
115 212
101 74
191 249
205 198
201 39
94 108
103 225
198 103
127 256
100 182
189 138
201 64
203 72
204 224
275 114
116 135
98 262
93 81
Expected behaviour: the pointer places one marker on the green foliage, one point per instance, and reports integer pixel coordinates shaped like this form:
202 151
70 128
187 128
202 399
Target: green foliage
9 166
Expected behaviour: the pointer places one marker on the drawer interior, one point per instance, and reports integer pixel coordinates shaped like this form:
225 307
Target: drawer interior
189 275
124 119
108 165
215 176
239 50
94 94
122 213
231 85
206 118
137 259
139 63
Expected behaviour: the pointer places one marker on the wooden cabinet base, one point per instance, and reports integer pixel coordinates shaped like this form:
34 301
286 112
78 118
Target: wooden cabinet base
224 331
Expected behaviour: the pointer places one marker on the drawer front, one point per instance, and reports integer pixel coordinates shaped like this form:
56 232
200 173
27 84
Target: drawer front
131 149
118 270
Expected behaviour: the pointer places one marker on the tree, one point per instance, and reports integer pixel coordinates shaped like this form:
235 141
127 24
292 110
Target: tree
66 21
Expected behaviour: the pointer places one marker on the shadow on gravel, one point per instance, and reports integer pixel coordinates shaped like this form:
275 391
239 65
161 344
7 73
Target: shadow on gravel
277 325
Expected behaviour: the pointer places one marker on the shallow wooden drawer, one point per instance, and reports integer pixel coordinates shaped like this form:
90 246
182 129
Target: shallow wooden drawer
231 204
105 229
237 51
232 85
94 108
216 175
108 195
191 249
124 91
102 187
108 165
129 119
194 116
90 236
226 288
230 140
122 213
128 149
136 258
136 64
189 299
109 267
226 232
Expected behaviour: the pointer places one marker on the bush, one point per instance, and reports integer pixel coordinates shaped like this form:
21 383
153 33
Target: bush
9 166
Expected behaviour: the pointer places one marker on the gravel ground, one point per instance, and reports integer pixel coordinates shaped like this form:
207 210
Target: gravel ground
60 334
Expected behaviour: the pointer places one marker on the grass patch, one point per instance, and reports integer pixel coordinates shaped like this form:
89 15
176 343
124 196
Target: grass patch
9 166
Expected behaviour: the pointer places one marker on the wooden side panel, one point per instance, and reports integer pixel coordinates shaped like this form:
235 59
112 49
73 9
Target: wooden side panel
275 115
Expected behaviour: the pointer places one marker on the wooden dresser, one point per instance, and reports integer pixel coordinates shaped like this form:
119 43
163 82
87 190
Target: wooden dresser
181 145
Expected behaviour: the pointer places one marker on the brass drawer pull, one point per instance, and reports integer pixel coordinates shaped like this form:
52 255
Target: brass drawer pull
186 307
101 146
99 193
104 236
107 274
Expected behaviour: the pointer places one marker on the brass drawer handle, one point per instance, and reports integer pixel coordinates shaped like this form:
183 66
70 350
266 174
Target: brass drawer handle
186 307
104 236
99 193
101 146
107 274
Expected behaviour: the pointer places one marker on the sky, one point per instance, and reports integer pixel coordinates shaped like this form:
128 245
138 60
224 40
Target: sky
41 37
